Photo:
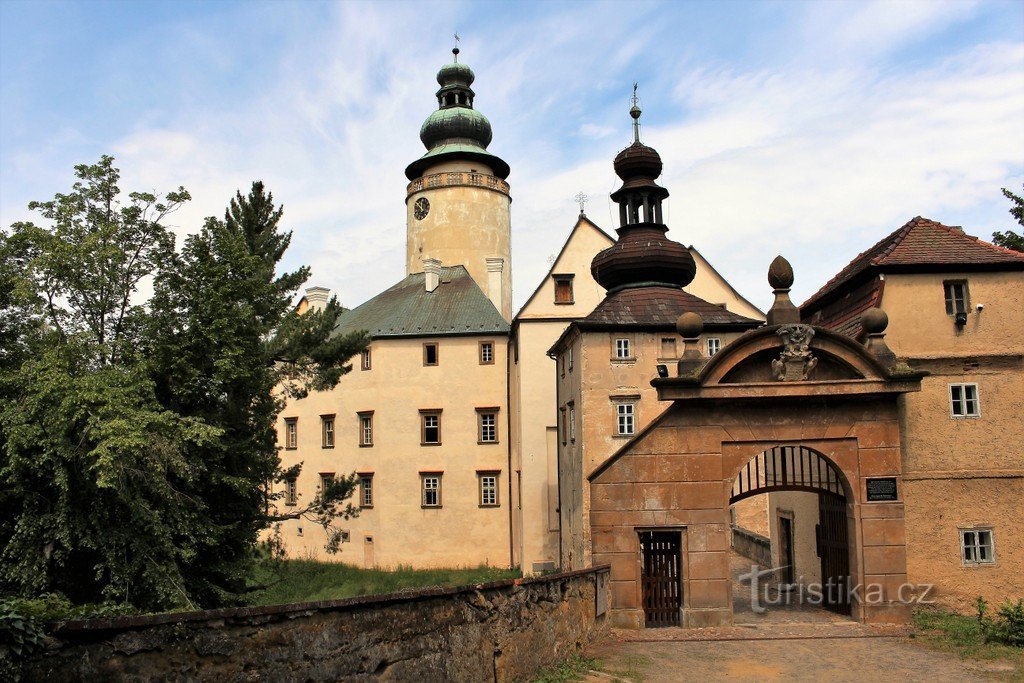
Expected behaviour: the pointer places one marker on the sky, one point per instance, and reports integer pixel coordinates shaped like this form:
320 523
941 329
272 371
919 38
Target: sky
808 129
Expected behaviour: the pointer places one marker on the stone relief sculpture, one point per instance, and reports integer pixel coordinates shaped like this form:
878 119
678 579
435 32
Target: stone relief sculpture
796 362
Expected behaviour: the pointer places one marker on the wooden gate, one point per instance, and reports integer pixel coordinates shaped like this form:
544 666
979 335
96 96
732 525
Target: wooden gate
834 553
661 577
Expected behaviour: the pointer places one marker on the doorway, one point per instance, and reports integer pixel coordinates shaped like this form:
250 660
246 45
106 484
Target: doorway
661 578
787 559
831 535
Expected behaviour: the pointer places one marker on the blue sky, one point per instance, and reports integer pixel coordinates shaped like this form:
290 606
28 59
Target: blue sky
807 129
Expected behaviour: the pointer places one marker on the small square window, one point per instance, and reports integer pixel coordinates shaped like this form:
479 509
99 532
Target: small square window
486 353
365 363
431 428
365 429
366 490
563 289
977 546
291 433
623 348
963 400
625 423
327 430
291 491
430 354
668 347
488 432
714 345
488 489
431 486
956 296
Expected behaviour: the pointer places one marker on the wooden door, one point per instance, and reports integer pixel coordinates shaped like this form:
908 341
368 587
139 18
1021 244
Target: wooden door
661 578
786 558
834 552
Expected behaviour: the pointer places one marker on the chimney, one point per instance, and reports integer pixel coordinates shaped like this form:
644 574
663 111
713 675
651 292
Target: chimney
431 273
494 267
317 298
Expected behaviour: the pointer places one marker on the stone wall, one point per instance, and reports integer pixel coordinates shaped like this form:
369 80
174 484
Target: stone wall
499 631
752 546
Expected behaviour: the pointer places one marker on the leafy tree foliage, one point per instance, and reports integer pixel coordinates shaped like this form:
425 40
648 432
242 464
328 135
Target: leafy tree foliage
1011 239
137 441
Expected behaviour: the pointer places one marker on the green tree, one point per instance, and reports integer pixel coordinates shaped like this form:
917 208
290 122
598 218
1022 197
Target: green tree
1011 239
90 462
228 347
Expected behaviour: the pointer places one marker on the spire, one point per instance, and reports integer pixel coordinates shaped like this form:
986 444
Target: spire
643 256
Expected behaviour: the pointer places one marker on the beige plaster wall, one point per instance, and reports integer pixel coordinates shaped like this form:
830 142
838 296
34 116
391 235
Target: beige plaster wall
920 328
752 514
709 285
803 507
937 509
396 388
465 225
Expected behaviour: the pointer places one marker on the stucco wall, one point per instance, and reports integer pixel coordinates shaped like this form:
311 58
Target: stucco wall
752 514
396 388
803 509
503 631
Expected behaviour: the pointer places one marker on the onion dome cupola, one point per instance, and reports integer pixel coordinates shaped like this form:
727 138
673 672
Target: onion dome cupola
643 256
456 131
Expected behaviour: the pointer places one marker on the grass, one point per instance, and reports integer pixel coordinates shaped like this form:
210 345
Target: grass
310 581
961 635
571 669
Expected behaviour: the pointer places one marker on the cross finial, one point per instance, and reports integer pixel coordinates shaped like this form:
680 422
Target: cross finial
581 199
635 112
455 50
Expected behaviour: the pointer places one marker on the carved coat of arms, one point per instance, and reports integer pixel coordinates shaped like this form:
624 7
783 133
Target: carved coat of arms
796 362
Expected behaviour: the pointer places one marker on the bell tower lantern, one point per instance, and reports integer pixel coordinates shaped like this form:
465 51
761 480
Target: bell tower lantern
458 208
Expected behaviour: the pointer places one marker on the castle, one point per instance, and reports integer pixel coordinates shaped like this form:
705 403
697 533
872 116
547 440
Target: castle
597 425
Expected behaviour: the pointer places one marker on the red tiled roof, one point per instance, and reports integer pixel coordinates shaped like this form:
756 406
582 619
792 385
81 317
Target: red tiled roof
842 315
921 242
656 306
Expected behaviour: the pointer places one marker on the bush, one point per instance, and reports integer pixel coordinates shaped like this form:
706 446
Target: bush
1006 626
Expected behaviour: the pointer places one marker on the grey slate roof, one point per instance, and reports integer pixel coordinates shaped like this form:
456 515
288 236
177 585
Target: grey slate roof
456 307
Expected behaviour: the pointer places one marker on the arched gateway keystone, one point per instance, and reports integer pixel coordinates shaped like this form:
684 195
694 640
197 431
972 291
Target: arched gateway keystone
787 388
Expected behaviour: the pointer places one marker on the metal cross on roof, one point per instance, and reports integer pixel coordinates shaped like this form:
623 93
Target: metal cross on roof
581 199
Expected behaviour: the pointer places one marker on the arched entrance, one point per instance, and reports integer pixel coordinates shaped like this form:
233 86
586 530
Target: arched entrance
786 469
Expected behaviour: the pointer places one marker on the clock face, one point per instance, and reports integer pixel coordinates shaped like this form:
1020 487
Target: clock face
421 208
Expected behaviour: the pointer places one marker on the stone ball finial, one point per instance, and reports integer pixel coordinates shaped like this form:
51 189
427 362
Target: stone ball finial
690 325
780 274
874 321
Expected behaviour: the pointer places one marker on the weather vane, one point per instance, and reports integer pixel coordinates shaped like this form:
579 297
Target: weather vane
581 199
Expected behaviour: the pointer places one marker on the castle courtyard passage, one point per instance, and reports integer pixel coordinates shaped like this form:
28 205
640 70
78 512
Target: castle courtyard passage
785 408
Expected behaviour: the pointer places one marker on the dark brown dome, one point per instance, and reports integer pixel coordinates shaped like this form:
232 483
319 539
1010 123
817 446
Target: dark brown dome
638 161
643 256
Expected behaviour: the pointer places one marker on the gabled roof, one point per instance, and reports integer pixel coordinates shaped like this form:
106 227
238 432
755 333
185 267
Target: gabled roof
456 307
920 245
655 306
582 220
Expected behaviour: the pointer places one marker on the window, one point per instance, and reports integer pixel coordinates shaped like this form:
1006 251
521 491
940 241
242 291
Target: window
625 423
430 433
963 400
623 349
366 490
565 425
291 433
976 546
488 489
366 428
572 422
431 485
714 345
668 347
430 354
488 425
291 491
956 296
486 353
570 359
327 431
563 289
365 362
326 479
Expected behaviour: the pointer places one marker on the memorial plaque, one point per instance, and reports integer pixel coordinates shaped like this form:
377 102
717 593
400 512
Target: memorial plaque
882 489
